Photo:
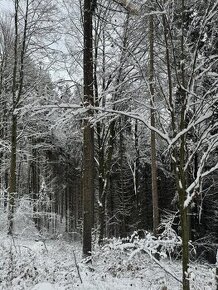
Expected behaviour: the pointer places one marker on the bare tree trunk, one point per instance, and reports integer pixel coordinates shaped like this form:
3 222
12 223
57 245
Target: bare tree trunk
105 158
153 137
216 274
136 165
179 154
12 178
17 89
182 174
4 130
12 175
88 133
34 188
123 232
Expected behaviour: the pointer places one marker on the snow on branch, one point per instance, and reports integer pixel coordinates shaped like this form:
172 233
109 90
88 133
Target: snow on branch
136 116
79 109
191 190
130 7
134 10
189 127
202 140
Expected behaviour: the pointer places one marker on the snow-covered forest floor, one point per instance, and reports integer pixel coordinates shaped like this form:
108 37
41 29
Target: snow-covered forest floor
52 264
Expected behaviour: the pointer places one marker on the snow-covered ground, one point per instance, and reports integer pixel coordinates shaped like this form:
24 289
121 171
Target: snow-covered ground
51 265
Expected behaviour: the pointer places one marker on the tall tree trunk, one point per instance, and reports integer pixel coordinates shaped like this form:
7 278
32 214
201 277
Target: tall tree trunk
34 180
4 132
17 89
103 185
153 137
88 133
123 231
100 128
105 158
216 274
178 154
136 165
12 177
181 158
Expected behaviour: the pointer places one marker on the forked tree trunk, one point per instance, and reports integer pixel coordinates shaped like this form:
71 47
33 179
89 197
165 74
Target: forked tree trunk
179 155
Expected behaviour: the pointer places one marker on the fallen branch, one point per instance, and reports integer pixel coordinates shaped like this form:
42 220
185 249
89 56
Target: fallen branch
161 266
77 267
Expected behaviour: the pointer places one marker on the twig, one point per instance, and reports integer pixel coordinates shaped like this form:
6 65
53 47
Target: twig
162 267
77 267
43 240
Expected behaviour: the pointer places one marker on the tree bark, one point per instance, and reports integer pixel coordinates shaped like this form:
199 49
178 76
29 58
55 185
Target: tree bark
88 133
34 189
12 177
181 158
136 165
17 89
153 137
216 274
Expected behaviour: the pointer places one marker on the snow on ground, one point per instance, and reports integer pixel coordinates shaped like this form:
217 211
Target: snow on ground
46 286
50 265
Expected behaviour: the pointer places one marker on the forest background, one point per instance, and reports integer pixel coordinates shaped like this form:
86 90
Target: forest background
109 120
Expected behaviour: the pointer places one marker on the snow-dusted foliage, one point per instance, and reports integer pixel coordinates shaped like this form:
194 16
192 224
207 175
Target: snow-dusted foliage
25 263
39 265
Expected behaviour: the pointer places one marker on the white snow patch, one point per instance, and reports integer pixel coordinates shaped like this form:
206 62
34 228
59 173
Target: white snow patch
180 184
47 286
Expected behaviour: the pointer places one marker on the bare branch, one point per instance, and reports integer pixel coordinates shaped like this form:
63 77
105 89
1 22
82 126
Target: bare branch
130 7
